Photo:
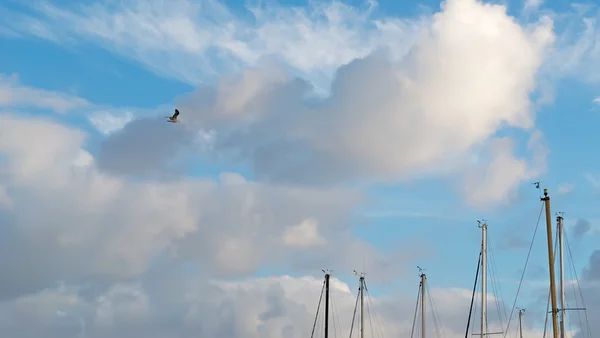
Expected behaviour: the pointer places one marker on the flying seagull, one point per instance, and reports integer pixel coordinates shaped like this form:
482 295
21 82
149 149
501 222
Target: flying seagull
173 119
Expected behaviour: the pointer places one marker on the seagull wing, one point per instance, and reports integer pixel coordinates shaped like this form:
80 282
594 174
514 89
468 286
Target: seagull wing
176 114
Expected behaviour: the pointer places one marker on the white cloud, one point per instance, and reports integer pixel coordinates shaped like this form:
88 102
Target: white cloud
177 39
305 234
496 176
565 188
532 5
395 114
98 224
388 119
270 307
13 94
109 122
123 248
577 51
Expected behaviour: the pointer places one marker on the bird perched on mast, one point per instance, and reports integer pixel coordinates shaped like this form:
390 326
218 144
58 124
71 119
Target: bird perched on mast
173 119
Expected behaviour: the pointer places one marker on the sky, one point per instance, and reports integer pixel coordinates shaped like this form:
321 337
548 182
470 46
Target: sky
357 135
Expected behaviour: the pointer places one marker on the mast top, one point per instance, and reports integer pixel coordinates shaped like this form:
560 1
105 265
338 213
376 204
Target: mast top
361 275
482 223
546 197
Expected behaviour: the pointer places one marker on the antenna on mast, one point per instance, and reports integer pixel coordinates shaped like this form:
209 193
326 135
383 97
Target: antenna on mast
359 274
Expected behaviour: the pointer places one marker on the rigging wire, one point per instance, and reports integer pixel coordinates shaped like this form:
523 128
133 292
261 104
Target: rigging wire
321 324
497 289
436 315
369 310
578 287
546 320
524 269
477 309
369 301
354 314
318 307
416 312
569 322
472 297
333 316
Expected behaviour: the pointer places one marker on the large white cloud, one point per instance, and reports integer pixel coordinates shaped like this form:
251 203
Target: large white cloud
440 91
66 220
469 75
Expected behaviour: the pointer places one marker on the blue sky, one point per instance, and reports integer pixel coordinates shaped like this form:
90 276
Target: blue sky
427 214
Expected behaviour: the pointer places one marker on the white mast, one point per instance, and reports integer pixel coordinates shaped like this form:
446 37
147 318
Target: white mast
362 306
362 303
483 277
563 302
423 309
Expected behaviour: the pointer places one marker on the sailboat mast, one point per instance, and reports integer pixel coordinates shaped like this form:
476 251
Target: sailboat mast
563 302
546 200
483 278
362 307
521 311
327 305
423 308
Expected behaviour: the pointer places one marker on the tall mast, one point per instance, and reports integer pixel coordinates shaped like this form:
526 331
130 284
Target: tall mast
483 277
423 308
327 275
361 289
521 311
563 302
546 200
